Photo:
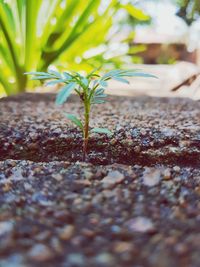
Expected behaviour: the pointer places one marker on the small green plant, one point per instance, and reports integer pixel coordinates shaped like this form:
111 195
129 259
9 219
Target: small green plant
90 90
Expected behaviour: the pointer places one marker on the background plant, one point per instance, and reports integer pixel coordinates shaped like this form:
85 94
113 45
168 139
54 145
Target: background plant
37 33
91 91
188 10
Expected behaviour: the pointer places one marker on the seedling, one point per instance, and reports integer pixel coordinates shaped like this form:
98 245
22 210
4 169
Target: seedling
90 90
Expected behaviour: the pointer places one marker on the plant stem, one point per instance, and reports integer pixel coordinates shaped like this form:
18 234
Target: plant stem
86 129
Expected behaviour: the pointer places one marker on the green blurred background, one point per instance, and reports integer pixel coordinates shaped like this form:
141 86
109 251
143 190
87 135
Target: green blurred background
75 35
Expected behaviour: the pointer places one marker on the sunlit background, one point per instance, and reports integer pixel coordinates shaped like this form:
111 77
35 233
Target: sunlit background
161 36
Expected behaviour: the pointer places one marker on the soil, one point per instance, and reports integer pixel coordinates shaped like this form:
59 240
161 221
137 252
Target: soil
146 131
134 203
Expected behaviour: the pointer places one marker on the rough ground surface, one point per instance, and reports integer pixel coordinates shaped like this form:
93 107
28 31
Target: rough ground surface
145 131
136 204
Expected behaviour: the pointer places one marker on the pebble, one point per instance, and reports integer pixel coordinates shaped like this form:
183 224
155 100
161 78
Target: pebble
107 222
141 225
88 174
121 247
67 232
15 260
167 174
176 168
151 176
113 178
105 259
40 253
5 227
76 259
58 177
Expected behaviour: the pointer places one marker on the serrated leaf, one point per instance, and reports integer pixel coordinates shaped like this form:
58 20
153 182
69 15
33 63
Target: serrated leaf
64 93
101 130
74 119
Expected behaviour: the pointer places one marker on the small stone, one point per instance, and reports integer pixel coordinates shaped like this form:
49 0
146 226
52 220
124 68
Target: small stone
113 177
28 187
105 259
76 259
176 168
5 227
121 247
7 186
40 253
58 177
167 174
143 132
181 249
43 236
151 177
63 216
57 131
137 149
84 182
141 225
37 170
12 163
56 245
88 174
15 260
67 232
168 132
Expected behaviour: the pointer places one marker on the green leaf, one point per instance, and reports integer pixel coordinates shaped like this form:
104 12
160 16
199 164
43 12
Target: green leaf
99 91
74 119
111 73
35 33
98 101
55 73
120 80
64 93
39 73
54 82
136 13
101 130
139 74
103 83
43 77
93 74
85 81
66 75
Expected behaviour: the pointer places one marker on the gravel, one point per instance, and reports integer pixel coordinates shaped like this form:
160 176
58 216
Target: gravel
135 203
77 221
146 131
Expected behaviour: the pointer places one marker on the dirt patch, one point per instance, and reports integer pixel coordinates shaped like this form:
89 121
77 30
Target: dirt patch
134 203
146 131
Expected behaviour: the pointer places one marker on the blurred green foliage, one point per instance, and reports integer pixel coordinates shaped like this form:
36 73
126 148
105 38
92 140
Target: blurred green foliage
189 10
70 34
